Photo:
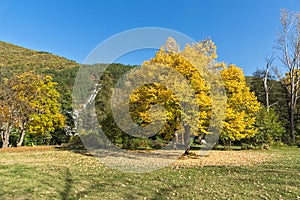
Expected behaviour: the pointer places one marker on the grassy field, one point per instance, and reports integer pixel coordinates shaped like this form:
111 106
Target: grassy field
49 173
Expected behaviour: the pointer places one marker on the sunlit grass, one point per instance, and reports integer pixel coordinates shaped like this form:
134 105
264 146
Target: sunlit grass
61 174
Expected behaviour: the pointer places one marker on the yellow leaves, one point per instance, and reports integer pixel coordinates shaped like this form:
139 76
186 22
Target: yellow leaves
172 46
190 63
197 64
242 105
34 101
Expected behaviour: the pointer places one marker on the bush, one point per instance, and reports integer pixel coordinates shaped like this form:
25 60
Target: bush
141 144
14 137
59 136
270 129
279 144
247 146
75 142
37 139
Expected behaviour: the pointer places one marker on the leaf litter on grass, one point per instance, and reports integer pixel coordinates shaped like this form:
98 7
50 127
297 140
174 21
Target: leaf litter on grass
214 158
225 158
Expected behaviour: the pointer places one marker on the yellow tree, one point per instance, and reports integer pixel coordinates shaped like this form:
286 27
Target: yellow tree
197 65
242 105
6 123
32 105
190 63
8 112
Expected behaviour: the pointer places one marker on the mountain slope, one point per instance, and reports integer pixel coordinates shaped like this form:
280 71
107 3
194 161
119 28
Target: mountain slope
16 56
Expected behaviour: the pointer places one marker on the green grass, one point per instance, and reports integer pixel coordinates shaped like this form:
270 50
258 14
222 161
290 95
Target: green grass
60 174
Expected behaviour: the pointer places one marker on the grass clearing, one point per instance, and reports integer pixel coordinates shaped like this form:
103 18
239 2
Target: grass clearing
49 173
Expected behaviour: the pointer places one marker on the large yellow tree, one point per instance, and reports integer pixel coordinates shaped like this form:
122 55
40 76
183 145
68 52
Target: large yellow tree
191 63
197 63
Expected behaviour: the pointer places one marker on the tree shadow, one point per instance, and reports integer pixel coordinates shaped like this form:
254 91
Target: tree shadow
77 150
68 185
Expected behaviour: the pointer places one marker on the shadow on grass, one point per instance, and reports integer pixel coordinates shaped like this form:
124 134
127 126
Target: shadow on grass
68 185
75 149
43 181
120 153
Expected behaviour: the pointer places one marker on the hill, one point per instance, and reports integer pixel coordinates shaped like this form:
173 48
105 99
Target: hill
15 60
16 56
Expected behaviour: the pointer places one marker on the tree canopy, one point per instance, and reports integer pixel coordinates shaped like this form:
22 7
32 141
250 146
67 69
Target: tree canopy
29 103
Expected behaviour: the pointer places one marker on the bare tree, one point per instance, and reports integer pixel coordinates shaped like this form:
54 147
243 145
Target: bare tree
266 77
289 45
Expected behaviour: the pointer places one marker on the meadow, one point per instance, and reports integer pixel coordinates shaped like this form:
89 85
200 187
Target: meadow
56 173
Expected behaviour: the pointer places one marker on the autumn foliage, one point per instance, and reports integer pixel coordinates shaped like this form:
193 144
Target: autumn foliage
196 62
29 104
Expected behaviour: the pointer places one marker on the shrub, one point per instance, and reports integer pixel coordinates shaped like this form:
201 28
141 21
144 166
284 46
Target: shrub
141 143
279 144
37 139
14 137
269 127
59 136
247 146
75 142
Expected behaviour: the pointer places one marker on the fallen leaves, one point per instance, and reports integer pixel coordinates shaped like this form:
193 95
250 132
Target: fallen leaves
225 158
213 158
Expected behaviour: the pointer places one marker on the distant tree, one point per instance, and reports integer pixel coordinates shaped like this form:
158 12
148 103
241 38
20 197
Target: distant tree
65 79
289 45
277 94
108 81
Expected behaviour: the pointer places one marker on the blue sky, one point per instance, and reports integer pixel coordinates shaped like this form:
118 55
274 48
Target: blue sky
243 30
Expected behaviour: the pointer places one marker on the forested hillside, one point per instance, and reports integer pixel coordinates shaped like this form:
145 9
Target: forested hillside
16 56
16 60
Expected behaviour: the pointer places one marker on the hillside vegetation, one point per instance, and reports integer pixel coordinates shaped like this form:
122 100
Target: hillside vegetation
16 56
16 60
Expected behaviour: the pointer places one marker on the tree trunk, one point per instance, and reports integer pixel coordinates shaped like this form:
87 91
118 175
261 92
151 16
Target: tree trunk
5 137
174 141
187 138
267 95
292 125
266 89
21 138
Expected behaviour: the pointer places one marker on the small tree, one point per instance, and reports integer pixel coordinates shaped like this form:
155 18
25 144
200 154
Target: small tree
269 127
